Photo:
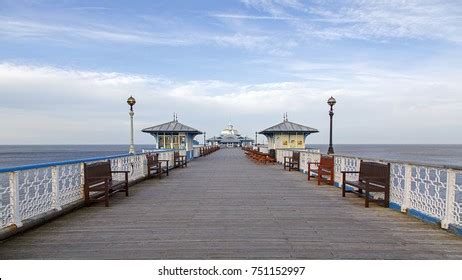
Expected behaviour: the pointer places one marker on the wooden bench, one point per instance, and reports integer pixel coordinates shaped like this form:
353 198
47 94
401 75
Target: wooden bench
373 177
98 178
293 162
257 156
208 150
179 161
155 166
271 158
323 170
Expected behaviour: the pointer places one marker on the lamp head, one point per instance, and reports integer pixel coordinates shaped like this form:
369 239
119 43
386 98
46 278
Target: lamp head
131 101
331 101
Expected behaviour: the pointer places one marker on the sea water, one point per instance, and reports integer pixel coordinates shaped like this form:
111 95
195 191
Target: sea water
16 155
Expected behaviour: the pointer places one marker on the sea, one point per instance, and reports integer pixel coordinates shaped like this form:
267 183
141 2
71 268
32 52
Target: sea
17 155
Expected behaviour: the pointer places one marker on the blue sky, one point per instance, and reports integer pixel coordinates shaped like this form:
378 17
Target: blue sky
67 67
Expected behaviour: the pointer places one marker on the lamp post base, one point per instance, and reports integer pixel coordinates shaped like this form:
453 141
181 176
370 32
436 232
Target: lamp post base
131 149
330 151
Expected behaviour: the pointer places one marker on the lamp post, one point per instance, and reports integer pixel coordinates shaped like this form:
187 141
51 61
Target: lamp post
256 139
204 138
131 101
331 102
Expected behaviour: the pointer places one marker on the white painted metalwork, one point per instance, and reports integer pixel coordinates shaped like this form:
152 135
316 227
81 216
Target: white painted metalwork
131 148
6 211
34 192
457 205
398 184
428 190
196 152
70 179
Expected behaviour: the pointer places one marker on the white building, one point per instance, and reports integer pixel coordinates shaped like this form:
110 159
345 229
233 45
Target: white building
174 135
287 135
230 137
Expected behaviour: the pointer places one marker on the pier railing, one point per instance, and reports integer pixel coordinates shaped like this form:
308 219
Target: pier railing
432 193
36 191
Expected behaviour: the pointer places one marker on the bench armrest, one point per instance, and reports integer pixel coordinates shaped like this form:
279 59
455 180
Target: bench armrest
164 160
101 181
372 179
119 171
344 172
99 177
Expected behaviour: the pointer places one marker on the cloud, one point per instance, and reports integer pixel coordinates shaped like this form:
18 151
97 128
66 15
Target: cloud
369 20
53 105
15 28
26 30
248 17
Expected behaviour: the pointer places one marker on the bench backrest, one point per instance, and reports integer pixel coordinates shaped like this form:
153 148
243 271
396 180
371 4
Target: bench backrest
296 156
376 173
326 162
97 172
272 153
152 159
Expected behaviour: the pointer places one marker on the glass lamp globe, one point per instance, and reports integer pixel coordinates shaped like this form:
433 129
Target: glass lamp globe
331 101
131 101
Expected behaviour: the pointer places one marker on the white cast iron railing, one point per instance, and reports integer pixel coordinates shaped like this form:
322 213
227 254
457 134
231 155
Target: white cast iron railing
430 192
29 191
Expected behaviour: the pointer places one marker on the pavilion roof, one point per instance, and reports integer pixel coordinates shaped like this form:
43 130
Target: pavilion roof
288 126
169 127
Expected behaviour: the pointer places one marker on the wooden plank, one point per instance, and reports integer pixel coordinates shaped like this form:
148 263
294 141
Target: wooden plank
224 206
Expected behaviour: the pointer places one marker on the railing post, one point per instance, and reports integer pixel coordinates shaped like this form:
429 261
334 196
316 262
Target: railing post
450 199
14 199
407 188
82 180
145 166
55 203
338 172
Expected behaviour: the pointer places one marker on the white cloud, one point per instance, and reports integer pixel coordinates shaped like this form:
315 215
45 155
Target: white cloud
27 30
249 17
369 20
53 105
15 28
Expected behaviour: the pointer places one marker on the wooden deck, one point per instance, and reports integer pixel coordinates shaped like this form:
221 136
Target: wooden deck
225 207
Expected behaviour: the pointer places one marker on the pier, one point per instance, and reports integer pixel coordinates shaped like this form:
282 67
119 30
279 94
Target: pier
224 206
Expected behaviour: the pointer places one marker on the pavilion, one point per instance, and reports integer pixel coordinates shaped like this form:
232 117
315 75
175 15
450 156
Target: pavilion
174 135
287 135
230 137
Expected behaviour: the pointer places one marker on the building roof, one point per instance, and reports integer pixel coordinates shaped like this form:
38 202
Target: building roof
169 127
230 139
287 126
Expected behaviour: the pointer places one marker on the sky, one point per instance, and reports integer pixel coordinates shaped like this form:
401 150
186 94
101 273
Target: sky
394 66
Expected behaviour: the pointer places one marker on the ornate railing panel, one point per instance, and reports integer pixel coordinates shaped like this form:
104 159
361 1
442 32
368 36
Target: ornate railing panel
304 162
6 214
397 183
428 191
135 164
457 205
196 152
70 181
34 191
